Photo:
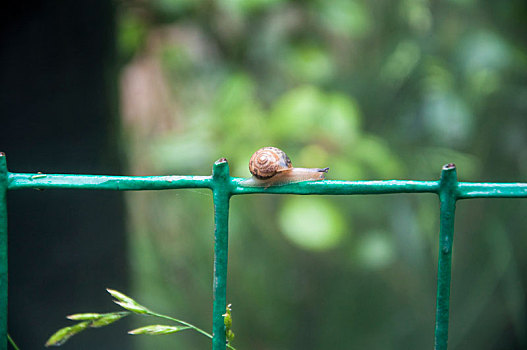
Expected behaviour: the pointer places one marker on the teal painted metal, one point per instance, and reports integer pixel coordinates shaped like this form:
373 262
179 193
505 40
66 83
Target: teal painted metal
467 190
103 182
447 198
341 187
3 252
221 193
224 186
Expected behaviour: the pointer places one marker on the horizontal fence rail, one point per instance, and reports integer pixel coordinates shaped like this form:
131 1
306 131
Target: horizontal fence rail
465 190
223 186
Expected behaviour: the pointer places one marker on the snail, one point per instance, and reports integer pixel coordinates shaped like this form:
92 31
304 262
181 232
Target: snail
271 166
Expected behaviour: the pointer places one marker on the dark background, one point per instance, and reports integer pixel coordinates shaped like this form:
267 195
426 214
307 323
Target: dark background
58 107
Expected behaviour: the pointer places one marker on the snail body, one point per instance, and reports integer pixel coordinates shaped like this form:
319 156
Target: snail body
271 166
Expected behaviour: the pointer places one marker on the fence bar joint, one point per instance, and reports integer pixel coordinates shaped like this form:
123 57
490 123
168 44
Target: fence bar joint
448 193
221 193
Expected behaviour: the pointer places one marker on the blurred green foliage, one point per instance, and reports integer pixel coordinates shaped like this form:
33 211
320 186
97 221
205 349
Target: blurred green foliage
374 90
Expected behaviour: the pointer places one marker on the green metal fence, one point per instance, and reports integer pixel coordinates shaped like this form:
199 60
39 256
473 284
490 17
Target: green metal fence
224 186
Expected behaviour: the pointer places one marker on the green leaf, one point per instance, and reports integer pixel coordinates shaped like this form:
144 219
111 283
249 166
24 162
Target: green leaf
138 309
84 317
127 303
157 330
108 319
63 334
91 320
227 320
229 335
121 297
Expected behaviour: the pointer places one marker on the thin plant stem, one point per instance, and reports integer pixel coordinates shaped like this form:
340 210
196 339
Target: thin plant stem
151 313
199 330
12 342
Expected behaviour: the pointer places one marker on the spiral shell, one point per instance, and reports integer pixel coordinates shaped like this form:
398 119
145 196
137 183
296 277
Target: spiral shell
268 161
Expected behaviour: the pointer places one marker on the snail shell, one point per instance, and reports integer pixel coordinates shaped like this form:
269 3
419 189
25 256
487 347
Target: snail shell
268 161
271 166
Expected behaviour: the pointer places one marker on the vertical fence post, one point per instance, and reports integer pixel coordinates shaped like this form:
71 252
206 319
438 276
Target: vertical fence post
3 252
447 198
221 193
